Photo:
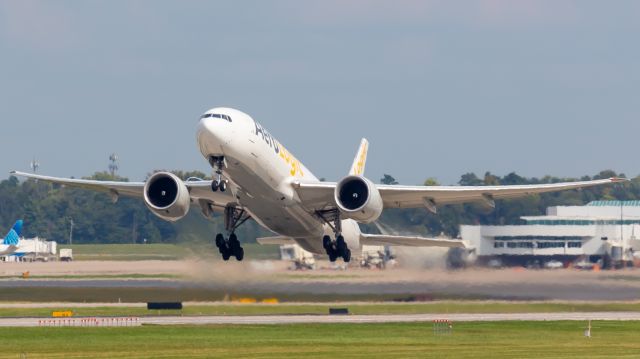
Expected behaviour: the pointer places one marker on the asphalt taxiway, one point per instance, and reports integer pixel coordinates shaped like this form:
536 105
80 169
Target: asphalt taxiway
353 319
598 290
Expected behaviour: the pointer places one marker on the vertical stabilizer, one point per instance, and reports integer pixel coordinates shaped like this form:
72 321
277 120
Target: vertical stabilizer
13 237
357 168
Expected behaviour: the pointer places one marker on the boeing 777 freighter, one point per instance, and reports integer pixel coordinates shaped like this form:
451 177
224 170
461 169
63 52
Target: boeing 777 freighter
257 177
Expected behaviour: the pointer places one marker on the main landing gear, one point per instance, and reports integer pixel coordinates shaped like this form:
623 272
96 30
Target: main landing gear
338 247
217 162
228 247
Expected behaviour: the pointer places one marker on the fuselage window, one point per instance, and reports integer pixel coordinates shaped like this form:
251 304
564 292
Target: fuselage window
224 117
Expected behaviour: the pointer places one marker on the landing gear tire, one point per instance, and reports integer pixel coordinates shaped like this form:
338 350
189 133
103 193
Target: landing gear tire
219 240
229 248
341 246
326 242
223 186
233 239
239 254
336 249
347 256
215 185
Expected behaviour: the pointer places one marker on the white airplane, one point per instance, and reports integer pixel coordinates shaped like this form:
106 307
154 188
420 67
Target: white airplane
257 177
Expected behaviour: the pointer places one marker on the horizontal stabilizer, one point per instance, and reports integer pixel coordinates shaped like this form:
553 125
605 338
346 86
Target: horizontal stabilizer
408 241
9 250
279 240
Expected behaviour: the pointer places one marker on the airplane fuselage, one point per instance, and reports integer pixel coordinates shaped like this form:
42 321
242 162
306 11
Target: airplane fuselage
261 171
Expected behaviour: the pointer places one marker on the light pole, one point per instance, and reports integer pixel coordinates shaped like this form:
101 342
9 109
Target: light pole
71 230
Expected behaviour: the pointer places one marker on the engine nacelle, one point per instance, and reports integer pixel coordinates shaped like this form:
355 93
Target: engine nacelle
358 199
167 196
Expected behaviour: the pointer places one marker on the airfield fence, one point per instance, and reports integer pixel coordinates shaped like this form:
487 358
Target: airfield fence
91 322
442 327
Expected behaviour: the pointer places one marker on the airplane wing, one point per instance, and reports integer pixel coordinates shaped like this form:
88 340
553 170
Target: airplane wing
198 190
409 241
320 195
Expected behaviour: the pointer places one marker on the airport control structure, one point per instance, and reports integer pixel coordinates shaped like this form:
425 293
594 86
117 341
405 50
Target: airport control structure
602 232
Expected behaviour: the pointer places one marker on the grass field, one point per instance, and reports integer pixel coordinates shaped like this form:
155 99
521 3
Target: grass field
135 252
354 308
128 251
411 340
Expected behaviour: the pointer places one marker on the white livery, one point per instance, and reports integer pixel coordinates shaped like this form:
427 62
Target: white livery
257 177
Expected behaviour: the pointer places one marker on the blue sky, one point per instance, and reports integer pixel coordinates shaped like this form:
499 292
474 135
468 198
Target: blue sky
439 88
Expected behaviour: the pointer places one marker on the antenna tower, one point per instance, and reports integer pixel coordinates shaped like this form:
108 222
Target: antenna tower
113 164
34 165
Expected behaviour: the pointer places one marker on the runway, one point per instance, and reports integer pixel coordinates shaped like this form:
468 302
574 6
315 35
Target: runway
597 289
349 319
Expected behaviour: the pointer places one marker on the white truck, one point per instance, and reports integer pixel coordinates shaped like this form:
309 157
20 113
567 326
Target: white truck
66 254
300 259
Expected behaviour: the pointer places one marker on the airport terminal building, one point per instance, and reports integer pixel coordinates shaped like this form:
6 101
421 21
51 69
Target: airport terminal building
31 250
605 231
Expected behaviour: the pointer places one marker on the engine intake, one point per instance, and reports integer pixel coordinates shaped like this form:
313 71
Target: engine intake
167 196
358 199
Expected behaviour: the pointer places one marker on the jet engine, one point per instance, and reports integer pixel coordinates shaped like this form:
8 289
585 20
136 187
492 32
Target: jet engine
167 196
358 199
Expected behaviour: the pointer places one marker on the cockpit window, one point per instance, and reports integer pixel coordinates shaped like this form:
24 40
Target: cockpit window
224 117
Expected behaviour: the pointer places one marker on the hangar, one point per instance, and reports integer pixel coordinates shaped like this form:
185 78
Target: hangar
603 232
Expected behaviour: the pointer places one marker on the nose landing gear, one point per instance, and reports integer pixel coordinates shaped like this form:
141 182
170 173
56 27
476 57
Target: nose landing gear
217 162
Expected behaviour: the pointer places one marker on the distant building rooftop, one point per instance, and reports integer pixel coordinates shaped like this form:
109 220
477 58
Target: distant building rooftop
595 212
614 203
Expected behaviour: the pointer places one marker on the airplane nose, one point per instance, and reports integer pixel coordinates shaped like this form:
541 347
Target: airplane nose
213 135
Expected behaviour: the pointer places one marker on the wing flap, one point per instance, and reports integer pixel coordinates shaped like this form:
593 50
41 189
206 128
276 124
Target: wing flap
408 241
279 240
